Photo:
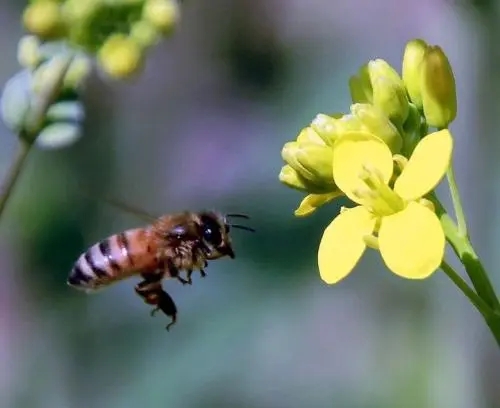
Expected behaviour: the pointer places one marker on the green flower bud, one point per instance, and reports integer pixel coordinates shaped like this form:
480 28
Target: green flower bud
375 121
58 135
28 52
389 92
78 72
162 14
16 100
360 86
439 96
309 135
120 56
144 33
311 161
325 126
66 111
289 177
412 60
47 72
380 68
75 11
44 19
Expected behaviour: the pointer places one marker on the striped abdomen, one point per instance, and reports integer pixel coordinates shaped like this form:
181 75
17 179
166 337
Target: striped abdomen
112 259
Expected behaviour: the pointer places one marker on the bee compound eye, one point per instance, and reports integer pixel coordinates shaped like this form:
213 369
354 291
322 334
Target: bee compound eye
212 235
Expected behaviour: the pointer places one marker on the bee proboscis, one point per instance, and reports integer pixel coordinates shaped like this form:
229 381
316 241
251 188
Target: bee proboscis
169 245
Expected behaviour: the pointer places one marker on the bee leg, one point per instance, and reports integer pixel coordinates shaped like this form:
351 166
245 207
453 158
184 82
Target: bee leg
153 294
167 305
189 273
203 273
149 291
173 271
184 281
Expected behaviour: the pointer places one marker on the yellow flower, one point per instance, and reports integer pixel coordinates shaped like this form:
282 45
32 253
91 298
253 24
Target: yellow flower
397 220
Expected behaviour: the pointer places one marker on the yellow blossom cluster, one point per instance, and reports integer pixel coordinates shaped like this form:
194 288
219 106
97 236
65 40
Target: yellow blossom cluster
383 157
117 32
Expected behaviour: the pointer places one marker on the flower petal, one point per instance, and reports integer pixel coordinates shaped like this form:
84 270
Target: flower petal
342 244
412 242
312 202
354 150
426 166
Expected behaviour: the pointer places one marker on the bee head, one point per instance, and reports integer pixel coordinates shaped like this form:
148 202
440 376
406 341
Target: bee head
215 233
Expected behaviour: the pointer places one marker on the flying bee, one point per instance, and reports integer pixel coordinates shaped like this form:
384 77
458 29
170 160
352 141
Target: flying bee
161 250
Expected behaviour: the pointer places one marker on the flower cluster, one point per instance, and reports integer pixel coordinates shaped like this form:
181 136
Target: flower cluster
41 103
383 157
117 32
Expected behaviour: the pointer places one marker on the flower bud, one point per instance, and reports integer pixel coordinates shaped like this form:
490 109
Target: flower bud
437 81
59 135
325 127
389 92
28 52
43 18
144 33
16 100
311 161
120 56
348 123
162 14
49 72
377 123
78 72
289 177
412 60
309 135
361 87
66 111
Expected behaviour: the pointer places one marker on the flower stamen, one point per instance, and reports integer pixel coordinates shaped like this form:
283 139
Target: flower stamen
378 195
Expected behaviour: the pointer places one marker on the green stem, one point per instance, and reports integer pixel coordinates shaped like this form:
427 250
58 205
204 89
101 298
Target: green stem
474 268
457 204
34 124
479 303
467 255
13 174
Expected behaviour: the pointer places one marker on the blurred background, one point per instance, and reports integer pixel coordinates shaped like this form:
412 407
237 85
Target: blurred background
203 127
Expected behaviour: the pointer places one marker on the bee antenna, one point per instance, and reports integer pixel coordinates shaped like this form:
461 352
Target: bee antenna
236 215
242 227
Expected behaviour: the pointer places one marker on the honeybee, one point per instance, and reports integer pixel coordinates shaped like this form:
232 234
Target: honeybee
169 245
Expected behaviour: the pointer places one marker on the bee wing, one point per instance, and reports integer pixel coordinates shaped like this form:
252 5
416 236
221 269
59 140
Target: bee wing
148 217
130 209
